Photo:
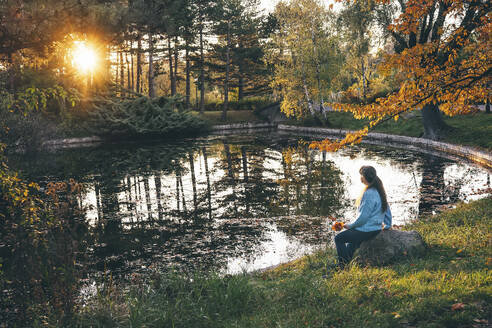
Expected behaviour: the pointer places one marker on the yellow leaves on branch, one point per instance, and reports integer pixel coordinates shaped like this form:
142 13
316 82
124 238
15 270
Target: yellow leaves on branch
19 195
351 138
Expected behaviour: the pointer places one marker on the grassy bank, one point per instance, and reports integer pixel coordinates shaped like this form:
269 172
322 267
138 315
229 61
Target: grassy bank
450 287
472 130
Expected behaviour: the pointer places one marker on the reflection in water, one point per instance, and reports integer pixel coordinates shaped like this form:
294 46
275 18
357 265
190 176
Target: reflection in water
431 188
235 203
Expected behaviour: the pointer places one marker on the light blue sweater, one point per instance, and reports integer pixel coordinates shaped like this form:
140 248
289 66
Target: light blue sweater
369 214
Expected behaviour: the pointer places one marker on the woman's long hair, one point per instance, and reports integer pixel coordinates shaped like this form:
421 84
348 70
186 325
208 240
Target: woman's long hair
369 173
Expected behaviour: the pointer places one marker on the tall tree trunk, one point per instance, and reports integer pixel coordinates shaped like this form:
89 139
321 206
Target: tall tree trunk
175 75
487 106
171 70
240 87
318 70
139 64
108 73
304 82
128 73
202 71
151 66
122 72
188 86
226 82
132 67
434 125
116 71
306 90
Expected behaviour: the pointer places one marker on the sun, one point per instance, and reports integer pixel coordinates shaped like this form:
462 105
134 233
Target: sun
84 58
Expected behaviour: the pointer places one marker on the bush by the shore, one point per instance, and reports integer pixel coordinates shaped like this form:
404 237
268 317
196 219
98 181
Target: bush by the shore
143 117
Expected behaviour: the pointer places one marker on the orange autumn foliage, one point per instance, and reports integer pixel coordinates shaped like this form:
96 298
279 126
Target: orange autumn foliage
445 60
337 226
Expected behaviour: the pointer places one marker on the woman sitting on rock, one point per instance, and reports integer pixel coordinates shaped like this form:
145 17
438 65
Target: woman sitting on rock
372 211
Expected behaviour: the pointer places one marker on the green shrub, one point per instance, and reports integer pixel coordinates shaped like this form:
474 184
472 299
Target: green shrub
32 115
25 131
42 243
143 117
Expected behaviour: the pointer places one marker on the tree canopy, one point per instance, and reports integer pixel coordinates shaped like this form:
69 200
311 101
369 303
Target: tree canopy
304 52
443 58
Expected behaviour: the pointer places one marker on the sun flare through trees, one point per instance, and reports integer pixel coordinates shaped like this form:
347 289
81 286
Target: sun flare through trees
84 57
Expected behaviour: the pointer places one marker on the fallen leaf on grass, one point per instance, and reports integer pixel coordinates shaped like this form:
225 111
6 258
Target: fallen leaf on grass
457 306
480 320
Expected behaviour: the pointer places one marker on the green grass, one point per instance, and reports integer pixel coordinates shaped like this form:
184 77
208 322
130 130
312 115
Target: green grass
416 292
472 130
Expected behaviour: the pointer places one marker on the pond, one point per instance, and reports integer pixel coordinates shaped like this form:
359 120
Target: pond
235 203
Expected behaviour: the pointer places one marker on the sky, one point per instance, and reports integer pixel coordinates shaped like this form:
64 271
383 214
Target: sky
268 5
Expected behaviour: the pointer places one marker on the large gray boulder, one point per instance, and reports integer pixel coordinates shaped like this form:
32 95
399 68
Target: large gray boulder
389 246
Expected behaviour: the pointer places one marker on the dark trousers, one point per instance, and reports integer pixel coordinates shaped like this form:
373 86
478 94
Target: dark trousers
348 241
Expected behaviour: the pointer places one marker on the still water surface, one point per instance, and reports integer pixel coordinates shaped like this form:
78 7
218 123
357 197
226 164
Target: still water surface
234 203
